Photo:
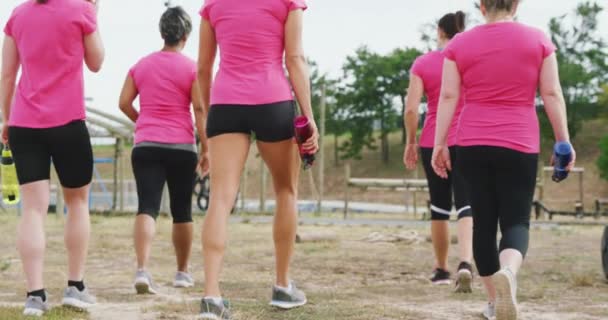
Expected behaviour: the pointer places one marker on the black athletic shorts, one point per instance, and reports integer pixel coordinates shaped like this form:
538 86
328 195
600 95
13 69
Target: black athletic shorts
268 122
441 190
68 147
152 167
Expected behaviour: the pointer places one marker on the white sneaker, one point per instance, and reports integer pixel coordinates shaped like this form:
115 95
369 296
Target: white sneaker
506 294
490 312
81 300
35 307
143 283
183 280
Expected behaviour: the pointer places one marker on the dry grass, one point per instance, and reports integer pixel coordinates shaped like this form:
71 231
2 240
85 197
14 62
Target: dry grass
347 279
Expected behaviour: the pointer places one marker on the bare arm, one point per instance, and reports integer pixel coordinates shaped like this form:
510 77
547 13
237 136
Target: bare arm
553 97
8 76
200 116
206 58
296 62
450 94
94 52
127 96
410 118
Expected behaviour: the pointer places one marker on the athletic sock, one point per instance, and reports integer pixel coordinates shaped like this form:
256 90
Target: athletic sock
286 289
38 293
76 284
216 300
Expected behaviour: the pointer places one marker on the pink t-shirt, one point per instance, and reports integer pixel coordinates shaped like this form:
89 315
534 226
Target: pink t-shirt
429 68
251 38
500 66
164 82
49 39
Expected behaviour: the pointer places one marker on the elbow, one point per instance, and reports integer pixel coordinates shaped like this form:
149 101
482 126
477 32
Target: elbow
124 106
95 66
295 61
204 72
449 95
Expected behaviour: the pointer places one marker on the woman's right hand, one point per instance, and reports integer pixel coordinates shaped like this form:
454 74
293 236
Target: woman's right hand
410 156
312 144
203 163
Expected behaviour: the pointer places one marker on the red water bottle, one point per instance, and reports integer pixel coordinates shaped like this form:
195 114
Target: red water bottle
303 133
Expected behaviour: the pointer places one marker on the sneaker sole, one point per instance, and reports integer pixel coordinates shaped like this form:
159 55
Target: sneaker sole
144 288
506 307
442 282
464 283
33 312
287 305
182 284
76 304
210 316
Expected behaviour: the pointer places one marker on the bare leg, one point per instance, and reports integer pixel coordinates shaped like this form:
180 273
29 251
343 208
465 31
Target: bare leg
77 230
465 239
31 241
227 156
143 234
283 162
182 242
440 235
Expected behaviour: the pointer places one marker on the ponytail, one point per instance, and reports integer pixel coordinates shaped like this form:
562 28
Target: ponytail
453 24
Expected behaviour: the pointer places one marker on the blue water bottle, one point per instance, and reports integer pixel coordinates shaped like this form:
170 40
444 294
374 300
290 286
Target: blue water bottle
563 155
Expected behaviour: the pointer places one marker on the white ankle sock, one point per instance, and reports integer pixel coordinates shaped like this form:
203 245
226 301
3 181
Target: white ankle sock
216 300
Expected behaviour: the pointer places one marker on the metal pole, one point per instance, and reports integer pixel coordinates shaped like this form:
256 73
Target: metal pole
115 175
321 152
121 175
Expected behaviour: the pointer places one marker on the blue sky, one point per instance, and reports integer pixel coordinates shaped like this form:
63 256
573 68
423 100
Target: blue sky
333 29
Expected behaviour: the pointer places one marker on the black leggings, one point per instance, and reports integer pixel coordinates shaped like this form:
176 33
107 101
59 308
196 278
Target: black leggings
441 189
152 167
501 185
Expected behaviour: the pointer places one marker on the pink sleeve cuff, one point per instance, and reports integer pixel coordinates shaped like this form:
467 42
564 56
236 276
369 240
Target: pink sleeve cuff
297 4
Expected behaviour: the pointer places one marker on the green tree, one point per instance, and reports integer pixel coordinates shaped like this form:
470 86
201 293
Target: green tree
583 65
372 89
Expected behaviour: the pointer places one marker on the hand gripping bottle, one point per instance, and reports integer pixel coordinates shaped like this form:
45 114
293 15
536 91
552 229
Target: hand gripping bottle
303 133
10 184
562 155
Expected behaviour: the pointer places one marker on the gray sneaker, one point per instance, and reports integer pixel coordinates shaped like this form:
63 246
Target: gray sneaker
81 300
143 283
183 280
288 299
34 306
214 311
506 292
490 312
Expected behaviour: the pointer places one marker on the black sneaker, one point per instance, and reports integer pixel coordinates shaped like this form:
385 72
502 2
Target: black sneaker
441 277
464 278
215 311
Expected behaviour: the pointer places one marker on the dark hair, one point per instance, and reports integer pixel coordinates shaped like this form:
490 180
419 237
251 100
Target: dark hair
42 1
499 5
175 25
453 23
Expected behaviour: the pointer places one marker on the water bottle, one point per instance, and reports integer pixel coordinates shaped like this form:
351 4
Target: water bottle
563 156
303 133
10 184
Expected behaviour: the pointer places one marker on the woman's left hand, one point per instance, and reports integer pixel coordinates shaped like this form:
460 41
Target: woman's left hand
203 163
441 161
312 144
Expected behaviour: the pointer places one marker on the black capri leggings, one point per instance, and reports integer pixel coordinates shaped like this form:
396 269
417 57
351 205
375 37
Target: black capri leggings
501 185
152 167
441 190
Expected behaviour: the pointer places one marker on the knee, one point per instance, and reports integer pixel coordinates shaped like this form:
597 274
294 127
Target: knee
439 214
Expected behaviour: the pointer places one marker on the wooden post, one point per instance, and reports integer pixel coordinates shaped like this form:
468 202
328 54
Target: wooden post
581 187
121 174
321 160
262 186
346 186
115 174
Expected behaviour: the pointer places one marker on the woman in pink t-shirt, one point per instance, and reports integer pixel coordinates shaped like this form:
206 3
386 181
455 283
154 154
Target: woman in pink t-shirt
252 95
500 65
425 78
43 121
165 149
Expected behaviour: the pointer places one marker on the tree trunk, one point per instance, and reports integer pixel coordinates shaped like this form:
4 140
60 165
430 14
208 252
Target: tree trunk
336 155
385 148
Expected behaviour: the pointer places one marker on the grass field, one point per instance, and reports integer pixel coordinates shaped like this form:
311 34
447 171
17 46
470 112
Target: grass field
344 279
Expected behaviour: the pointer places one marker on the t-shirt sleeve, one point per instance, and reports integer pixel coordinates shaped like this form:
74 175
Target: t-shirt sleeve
89 18
8 28
296 4
449 52
205 10
547 45
417 68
